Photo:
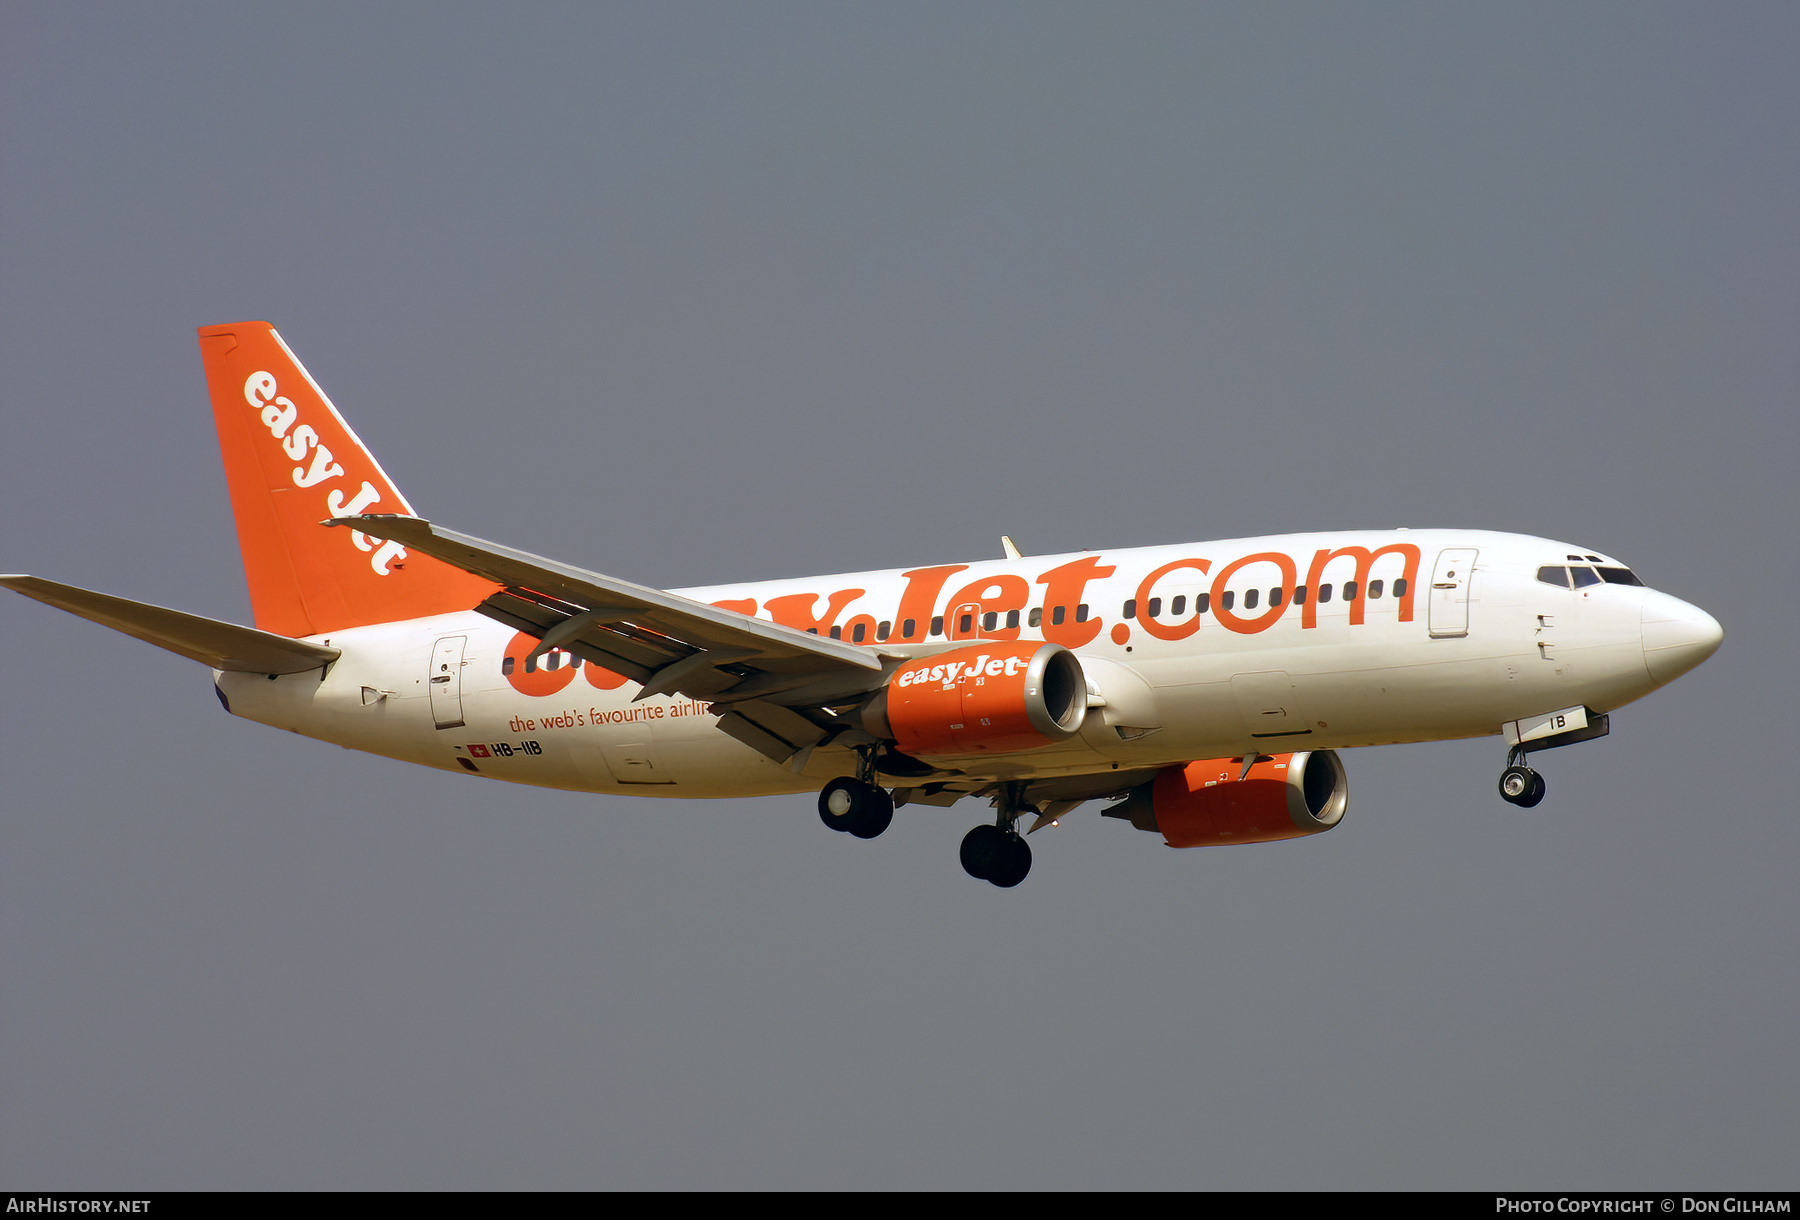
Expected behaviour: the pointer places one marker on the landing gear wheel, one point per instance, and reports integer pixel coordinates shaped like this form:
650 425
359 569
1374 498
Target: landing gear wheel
999 857
1521 786
856 807
1014 863
875 817
982 849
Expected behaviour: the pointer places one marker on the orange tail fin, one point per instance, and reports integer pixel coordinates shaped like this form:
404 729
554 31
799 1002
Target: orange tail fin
291 462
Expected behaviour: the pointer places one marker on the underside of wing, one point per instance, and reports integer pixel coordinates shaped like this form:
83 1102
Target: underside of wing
774 688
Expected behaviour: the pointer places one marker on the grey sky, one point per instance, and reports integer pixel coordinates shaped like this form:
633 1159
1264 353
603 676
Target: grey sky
702 293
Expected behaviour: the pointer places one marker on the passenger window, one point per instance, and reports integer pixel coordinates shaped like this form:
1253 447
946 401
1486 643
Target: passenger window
1324 594
937 624
837 633
1349 590
506 666
965 623
574 661
1227 599
1584 577
858 632
1036 617
1178 607
1375 588
1081 613
881 630
1299 595
1554 576
531 664
1400 587
1275 596
553 661
1156 607
1251 597
908 628
1057 615
1012 620
990 620
812 631
1202 602
1130 610
1620 576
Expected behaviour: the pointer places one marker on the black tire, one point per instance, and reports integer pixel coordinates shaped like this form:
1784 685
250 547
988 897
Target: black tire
982 849
1517 784
1014 863
849 796
876 814
1536 794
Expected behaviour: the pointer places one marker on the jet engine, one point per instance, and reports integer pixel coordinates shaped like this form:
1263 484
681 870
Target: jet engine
995 697
1214 801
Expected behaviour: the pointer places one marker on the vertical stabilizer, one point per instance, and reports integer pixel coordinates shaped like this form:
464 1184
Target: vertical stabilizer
291 462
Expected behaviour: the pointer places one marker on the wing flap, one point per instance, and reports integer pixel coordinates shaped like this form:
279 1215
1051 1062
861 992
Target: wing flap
670 644
217 644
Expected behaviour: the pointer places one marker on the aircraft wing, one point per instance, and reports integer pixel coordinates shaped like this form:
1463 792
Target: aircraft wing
224 646
769 683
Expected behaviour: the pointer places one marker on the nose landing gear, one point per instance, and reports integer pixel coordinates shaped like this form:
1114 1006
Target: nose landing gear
1520 785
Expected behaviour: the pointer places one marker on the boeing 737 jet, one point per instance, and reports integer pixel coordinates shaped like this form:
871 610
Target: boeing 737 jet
1202 690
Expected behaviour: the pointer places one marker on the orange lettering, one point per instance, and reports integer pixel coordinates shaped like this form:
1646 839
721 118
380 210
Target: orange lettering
535 679
796 609
995 595
1169 631
916 605
1063 587
1365 559
1265 620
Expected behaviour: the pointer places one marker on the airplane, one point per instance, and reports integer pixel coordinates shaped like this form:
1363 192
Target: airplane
1203 689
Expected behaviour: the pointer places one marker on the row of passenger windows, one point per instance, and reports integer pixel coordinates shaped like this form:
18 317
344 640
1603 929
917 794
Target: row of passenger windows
965 625
1253 598
554 659
1581 577
1177 606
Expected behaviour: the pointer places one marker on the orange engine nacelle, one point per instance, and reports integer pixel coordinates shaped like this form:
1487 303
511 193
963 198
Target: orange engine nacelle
990 698
1205 804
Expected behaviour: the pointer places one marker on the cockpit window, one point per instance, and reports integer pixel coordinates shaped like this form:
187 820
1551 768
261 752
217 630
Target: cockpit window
1620 576
1554 576
1584 577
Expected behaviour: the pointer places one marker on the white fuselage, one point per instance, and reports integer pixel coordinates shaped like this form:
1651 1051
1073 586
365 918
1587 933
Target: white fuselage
1475 640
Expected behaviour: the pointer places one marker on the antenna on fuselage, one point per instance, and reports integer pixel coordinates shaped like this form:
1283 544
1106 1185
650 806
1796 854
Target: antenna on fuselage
1011 547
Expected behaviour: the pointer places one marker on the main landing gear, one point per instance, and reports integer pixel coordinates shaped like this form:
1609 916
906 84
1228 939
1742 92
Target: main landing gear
998 854
1519 784
856 807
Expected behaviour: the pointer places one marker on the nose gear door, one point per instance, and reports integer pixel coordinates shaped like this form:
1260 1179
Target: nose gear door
445 682
1448 614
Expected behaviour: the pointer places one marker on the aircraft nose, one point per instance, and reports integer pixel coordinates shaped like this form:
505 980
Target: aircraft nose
1677 636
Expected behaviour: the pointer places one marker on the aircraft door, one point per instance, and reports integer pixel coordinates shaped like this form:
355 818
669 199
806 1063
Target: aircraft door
445 681
1448 614
964 622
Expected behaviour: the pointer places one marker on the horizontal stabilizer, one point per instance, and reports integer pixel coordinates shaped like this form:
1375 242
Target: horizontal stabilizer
220 645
